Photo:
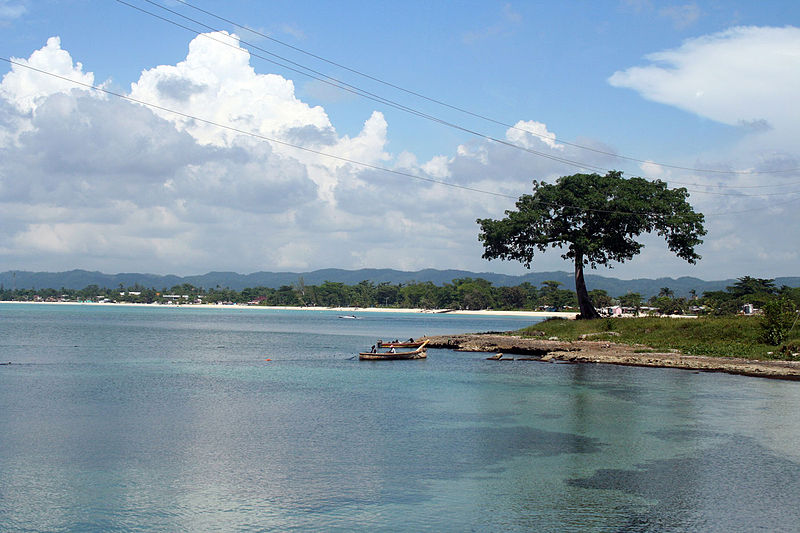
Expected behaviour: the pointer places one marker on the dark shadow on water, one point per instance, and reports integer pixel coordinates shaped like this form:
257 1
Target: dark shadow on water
551 416
404 469
686 434
737 485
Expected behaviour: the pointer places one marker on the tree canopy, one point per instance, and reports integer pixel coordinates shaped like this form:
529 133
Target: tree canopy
596 218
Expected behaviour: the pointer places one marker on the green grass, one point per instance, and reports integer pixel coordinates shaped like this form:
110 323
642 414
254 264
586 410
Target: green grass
734 336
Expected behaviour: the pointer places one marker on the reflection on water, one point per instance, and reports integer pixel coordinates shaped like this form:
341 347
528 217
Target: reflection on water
157 419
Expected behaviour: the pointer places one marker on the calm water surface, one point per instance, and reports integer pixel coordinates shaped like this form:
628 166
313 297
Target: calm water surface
142 419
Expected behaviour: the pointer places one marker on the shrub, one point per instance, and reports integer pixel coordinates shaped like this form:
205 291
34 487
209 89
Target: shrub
779 317
790 351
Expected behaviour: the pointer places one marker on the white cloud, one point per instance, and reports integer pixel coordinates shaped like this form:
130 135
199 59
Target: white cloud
741 75
532 134
217 83
438 167
24 87
103 183
654 170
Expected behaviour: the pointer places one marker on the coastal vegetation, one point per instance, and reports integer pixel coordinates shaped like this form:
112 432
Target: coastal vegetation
462 293
597 219
718 336
751 318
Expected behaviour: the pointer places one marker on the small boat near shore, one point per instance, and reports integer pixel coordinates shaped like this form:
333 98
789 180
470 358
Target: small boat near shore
400 344
419 353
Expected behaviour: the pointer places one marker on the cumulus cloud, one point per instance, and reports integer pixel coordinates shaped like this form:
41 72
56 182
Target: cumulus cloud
111 184
531 133
105 183
25 88
217 83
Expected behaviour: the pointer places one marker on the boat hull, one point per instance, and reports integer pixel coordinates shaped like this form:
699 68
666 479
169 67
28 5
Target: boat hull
369 356
419 353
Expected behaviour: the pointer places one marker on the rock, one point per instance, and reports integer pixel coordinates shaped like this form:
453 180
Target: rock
609 333
612 353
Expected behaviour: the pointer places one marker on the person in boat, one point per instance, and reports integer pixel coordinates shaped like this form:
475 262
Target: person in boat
410 339
391 350
373 349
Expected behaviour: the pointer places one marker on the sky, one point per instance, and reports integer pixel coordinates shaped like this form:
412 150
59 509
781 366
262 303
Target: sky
221 139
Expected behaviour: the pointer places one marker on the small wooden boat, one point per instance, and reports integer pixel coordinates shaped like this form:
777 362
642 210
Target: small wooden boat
419 353
406 344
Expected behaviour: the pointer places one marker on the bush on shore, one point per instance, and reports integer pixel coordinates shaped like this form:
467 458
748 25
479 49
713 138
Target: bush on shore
728 336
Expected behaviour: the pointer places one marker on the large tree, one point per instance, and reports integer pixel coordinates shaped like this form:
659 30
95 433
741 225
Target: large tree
597 219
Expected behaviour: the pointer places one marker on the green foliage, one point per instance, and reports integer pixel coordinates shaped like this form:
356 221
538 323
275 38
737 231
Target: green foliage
747 290
747 286
791 293
464 293
600 298
670 306
790 351
632 299
595 219
779 317
731 336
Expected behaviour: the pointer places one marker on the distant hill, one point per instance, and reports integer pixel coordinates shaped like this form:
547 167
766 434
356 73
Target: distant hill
78 279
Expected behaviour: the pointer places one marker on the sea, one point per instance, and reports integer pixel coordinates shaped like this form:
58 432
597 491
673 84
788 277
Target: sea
126 418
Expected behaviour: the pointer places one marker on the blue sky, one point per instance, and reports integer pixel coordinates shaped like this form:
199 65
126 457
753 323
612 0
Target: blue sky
101 183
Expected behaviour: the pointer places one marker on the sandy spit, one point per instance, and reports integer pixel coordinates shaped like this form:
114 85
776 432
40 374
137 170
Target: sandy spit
607 352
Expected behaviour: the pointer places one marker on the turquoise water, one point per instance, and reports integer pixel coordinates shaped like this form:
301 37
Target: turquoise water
142 419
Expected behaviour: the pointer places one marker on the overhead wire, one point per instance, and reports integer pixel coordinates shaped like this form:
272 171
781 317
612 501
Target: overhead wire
467 111
332 156
355 90
324 78
254 134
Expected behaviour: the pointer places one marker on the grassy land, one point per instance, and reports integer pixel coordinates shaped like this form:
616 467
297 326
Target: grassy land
712 336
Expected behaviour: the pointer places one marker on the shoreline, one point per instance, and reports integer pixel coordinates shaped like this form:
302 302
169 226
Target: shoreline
347 310
604 352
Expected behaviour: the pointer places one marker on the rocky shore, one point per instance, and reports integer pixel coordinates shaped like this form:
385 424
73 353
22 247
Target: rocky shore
608 352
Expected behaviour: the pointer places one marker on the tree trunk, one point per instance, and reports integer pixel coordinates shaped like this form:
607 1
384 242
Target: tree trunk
587 309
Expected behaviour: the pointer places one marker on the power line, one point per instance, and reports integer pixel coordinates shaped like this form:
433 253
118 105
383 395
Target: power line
360 92
461 109
256 135
333 156
324 78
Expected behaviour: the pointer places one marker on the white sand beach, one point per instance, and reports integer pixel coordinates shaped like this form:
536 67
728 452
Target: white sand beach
343 310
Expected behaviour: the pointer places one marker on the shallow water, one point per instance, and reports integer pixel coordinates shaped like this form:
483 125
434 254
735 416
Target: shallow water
142 419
